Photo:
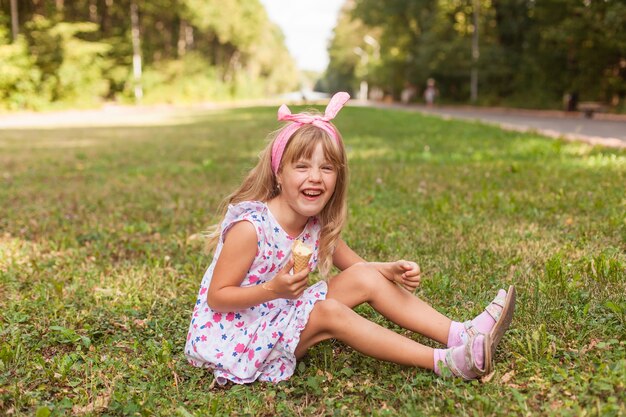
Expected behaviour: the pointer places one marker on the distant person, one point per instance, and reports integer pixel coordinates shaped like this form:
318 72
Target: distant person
407 94
253 319
430 92
572 101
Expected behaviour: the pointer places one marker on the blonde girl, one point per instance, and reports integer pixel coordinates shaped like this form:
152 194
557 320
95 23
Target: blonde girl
254 318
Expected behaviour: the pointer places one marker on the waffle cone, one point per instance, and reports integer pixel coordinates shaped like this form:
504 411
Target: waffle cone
301 255
300 262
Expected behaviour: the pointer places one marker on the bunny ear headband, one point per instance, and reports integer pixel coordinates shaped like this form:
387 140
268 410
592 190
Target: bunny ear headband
299 119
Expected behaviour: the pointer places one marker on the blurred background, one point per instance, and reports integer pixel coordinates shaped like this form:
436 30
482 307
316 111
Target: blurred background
544 54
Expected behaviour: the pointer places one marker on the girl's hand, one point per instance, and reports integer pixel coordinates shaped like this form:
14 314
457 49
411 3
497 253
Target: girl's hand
405 273
285 285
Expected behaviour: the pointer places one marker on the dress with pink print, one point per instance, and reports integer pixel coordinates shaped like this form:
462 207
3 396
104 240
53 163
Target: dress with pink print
257 343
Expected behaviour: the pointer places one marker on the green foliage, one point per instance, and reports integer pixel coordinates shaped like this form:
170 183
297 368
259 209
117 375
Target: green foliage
80 76
80 53
341 74
192 79
100 264
187 80
530 53
19 76
236 22
51 63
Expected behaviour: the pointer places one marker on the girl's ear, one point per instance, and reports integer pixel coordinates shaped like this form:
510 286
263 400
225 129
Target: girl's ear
279 180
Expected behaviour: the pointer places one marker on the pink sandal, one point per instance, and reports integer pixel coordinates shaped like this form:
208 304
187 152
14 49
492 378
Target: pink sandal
503 316
494 309
469 368
501 309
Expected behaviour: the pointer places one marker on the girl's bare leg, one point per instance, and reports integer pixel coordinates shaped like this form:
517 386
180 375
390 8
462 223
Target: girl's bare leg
362 283
333 319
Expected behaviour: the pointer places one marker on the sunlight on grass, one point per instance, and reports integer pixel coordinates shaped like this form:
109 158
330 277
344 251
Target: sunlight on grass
604 161
15 252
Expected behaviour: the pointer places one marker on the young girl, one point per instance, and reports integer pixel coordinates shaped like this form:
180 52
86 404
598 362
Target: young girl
253 319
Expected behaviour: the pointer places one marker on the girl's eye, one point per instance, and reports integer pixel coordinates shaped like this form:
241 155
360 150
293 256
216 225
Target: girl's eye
328 168
300 166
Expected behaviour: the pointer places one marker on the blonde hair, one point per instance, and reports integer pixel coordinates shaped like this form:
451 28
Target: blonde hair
261 185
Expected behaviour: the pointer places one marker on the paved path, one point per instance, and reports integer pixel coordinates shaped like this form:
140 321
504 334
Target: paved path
603 129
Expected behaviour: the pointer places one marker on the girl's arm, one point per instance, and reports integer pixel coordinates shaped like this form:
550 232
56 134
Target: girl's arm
240 247
405 273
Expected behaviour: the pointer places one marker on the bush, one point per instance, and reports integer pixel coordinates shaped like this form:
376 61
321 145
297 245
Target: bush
186 80
50 63
69 64
20 78
81 79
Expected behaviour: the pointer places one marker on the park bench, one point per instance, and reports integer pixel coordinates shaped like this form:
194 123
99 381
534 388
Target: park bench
590 107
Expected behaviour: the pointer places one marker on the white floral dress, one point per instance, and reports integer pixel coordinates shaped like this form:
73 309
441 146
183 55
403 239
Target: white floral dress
258 342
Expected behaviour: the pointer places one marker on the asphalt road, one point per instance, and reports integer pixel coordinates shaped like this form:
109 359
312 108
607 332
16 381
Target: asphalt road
608 130
603 129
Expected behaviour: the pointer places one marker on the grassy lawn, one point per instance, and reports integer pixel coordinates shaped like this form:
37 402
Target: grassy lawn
100 265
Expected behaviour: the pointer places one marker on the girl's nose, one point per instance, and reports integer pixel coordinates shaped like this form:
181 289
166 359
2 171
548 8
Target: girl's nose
315 175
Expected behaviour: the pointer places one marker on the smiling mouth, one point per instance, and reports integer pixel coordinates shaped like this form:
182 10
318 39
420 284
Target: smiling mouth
311 194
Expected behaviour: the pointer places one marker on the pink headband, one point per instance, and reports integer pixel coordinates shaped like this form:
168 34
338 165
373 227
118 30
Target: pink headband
299 119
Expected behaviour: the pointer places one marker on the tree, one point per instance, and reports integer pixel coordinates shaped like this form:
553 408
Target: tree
531 52
14 20
181 49
136 39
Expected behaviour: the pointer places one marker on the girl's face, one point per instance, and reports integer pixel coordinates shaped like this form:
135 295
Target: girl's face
308 184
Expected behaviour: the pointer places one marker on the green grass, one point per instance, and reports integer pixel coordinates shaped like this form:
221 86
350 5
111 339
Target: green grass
99 267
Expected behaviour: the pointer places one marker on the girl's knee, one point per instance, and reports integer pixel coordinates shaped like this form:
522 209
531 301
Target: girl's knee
366 278
328 314
330 308
327 320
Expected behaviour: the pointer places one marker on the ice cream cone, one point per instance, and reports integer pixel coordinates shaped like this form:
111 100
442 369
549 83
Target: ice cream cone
301 254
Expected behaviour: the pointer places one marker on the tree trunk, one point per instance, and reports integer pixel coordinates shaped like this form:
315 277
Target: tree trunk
14 21
134 20
105 24
93 11
475 54
182 38
189 36
185 38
